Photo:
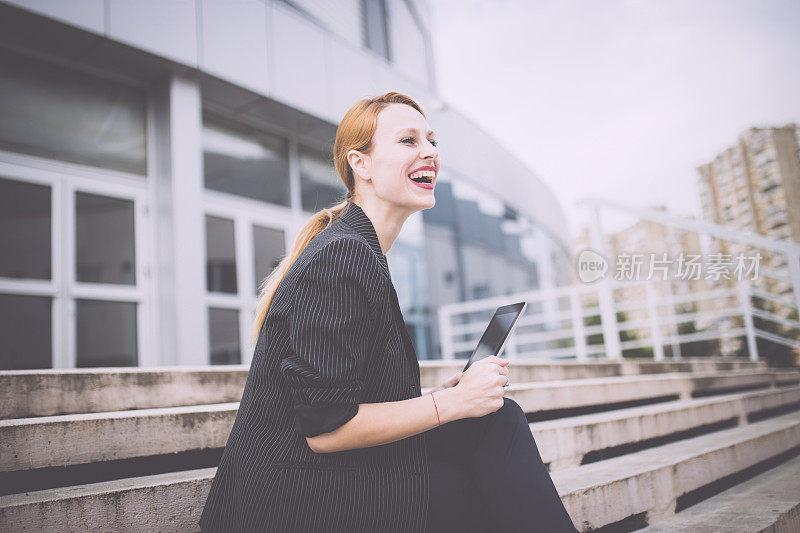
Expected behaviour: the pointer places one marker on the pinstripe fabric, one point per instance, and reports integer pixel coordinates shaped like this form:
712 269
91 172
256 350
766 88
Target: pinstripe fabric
334 337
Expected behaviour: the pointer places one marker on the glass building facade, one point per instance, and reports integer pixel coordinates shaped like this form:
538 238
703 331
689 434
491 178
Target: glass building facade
141 208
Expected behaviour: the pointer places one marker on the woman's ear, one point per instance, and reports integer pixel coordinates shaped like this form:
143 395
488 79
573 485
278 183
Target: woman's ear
359 163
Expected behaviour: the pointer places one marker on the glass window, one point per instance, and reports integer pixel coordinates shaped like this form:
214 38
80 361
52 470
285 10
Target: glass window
51 111
375 32
223 336
106 333
254 166
320 185
220 255
25 223
104 240
269 247
25 327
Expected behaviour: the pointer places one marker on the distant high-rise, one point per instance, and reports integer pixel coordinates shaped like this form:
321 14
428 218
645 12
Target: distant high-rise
754 185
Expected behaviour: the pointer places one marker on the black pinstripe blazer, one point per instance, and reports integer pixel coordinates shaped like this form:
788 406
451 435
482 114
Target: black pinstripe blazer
334 337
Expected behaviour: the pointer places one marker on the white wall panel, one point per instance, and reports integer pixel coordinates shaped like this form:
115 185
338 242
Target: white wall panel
233 41
342 17
168 28
358 76
406 42
87 14
298 55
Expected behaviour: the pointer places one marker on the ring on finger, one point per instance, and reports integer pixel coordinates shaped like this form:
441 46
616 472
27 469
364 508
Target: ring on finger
508 382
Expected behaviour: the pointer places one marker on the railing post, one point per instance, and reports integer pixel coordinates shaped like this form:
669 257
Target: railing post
674 332
747 316
578 332
655 329
446 332
605 293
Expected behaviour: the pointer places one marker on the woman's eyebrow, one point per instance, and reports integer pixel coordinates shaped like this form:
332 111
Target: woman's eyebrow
414 130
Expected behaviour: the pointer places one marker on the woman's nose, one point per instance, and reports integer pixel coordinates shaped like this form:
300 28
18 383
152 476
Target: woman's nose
429 151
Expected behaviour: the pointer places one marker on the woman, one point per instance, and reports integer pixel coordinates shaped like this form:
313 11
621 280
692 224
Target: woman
332 432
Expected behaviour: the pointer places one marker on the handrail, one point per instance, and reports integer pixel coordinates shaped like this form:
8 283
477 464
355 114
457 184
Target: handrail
650 321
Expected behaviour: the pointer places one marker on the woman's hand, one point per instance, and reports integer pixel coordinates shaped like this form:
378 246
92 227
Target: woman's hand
482 386
452 381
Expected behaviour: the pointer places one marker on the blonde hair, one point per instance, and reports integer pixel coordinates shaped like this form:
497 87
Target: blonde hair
355 132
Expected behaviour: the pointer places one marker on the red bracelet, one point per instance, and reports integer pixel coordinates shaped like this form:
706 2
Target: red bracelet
437 409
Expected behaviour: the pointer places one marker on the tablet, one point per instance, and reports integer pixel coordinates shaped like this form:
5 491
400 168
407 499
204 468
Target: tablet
497 332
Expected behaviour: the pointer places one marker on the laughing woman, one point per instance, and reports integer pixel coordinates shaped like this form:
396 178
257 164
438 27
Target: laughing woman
332 432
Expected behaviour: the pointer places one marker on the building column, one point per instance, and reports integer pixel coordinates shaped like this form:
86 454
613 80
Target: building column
181 318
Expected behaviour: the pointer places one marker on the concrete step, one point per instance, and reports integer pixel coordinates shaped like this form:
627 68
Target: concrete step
520 370
27 393
650 481
564 442
163 502
568 394
766 503
41 442
595 495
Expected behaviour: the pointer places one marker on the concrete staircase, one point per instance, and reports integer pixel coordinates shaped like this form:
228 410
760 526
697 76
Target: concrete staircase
628 444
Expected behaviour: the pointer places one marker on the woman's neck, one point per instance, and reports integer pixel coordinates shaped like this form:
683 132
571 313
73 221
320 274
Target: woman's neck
386 220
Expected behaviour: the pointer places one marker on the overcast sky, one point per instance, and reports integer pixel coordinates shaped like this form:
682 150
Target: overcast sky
620 99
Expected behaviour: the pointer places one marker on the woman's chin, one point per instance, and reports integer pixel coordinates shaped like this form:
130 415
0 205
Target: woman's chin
429 202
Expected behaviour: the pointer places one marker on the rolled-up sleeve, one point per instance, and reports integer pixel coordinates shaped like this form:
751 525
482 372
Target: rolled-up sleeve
331 335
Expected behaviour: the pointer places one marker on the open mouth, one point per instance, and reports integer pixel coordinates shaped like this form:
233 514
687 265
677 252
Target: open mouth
425 176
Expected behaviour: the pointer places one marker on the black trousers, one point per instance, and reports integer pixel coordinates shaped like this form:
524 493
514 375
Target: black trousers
487 475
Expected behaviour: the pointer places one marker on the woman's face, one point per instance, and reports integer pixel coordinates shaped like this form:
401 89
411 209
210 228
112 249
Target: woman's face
402 145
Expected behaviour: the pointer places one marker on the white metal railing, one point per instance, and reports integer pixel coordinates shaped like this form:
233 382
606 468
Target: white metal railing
575 330
582 321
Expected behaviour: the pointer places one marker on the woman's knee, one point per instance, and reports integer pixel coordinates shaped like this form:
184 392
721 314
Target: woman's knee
511 411
513 406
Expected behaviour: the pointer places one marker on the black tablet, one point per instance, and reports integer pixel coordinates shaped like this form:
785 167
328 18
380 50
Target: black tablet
497 332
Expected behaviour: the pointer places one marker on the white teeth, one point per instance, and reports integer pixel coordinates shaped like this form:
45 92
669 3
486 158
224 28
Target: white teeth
423 174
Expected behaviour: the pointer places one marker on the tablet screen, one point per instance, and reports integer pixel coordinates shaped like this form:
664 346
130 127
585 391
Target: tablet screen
497 332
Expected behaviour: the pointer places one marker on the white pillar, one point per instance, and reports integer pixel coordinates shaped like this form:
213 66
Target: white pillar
181 315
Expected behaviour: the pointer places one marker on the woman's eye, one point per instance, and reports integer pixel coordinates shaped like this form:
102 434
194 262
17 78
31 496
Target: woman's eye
411 139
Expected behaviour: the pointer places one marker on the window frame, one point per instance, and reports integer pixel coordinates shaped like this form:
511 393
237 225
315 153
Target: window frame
245 213
65 180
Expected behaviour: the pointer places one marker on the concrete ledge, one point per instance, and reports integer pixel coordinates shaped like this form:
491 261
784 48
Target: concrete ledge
564 394
164 502
26 393
565 441
62 440
650 481
521 370
595 495
767 503
30 443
